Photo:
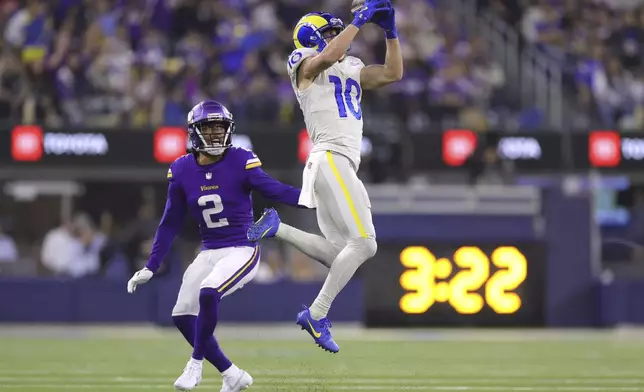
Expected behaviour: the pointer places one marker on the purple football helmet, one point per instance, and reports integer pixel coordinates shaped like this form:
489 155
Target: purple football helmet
210 127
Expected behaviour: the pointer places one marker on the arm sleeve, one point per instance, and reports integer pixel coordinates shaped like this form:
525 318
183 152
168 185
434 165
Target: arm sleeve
171 221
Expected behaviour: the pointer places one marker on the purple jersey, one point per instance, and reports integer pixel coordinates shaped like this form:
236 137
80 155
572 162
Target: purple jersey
218 196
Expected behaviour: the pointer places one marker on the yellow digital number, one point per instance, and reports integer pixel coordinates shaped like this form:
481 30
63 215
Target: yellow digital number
419 279
513 271
476 270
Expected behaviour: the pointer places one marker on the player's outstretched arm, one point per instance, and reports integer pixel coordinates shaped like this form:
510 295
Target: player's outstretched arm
333 52
272 189
171 221
376 76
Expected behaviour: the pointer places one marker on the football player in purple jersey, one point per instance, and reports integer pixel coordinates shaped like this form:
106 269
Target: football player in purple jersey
214 185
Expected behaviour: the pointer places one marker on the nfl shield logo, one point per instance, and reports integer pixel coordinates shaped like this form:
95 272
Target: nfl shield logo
208 176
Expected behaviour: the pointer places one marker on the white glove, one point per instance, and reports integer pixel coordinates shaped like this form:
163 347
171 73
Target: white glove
139 277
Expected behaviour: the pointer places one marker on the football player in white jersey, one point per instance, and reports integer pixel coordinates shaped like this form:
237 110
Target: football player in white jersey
328 85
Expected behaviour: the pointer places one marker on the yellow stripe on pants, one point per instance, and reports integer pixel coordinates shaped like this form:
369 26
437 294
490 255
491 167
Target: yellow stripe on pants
224 285
347 195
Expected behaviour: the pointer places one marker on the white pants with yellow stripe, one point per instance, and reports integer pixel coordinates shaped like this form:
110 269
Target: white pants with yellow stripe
226 270
331 184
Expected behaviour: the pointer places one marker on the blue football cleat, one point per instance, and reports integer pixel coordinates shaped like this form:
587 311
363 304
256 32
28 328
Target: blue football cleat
319 329
265 227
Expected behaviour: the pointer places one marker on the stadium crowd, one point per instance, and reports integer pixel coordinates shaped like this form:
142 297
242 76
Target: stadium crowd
598 44
142 63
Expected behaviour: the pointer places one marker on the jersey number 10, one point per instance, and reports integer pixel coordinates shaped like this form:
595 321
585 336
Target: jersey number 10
217 208
341 98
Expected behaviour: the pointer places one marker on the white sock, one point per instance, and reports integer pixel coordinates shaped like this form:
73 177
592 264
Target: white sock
312 245
196 361
320 306
231 371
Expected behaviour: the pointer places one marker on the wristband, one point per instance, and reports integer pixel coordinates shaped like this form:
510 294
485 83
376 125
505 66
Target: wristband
391 34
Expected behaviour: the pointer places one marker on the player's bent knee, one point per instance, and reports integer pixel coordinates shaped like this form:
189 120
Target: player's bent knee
208 295
185 309
367 246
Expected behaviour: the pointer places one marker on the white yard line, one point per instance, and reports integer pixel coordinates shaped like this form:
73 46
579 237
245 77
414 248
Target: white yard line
354 332
343 387
505 375
263 379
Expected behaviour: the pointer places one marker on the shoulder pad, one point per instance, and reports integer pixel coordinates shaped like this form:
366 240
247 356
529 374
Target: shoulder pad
296 57
251 160
245 157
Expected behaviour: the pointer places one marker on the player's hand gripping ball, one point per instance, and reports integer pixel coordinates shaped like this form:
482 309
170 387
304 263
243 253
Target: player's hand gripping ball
356 5
364 11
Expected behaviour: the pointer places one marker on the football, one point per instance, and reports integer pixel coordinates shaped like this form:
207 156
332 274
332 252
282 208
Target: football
356 5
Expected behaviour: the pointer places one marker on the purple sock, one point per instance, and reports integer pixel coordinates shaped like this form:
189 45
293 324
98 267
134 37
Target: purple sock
204 341
187 327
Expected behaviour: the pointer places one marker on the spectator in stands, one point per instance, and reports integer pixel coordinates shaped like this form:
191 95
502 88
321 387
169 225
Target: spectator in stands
13 84
30 29
627 41
58 248
509 10
73 249
8 249
611 91
87 260
452 88
71 84
542 25
487 75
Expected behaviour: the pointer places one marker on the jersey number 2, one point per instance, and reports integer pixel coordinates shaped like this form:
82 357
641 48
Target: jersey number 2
343 95
217 208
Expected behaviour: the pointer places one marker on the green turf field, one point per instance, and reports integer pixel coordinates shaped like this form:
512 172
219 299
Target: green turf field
135 359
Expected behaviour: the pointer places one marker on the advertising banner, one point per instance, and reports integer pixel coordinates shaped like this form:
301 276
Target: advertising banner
286 149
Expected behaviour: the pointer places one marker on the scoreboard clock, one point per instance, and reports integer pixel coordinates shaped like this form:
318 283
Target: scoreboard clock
464 284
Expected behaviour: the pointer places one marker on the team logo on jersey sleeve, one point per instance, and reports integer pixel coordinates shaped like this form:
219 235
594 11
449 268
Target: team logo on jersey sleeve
354 62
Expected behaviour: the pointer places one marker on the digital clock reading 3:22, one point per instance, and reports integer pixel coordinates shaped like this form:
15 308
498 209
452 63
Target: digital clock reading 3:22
461 290
466 284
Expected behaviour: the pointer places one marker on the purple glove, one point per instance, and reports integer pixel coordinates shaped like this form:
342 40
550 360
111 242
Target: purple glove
387 21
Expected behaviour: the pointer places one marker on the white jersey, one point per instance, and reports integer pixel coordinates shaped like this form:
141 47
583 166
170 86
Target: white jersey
331 105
